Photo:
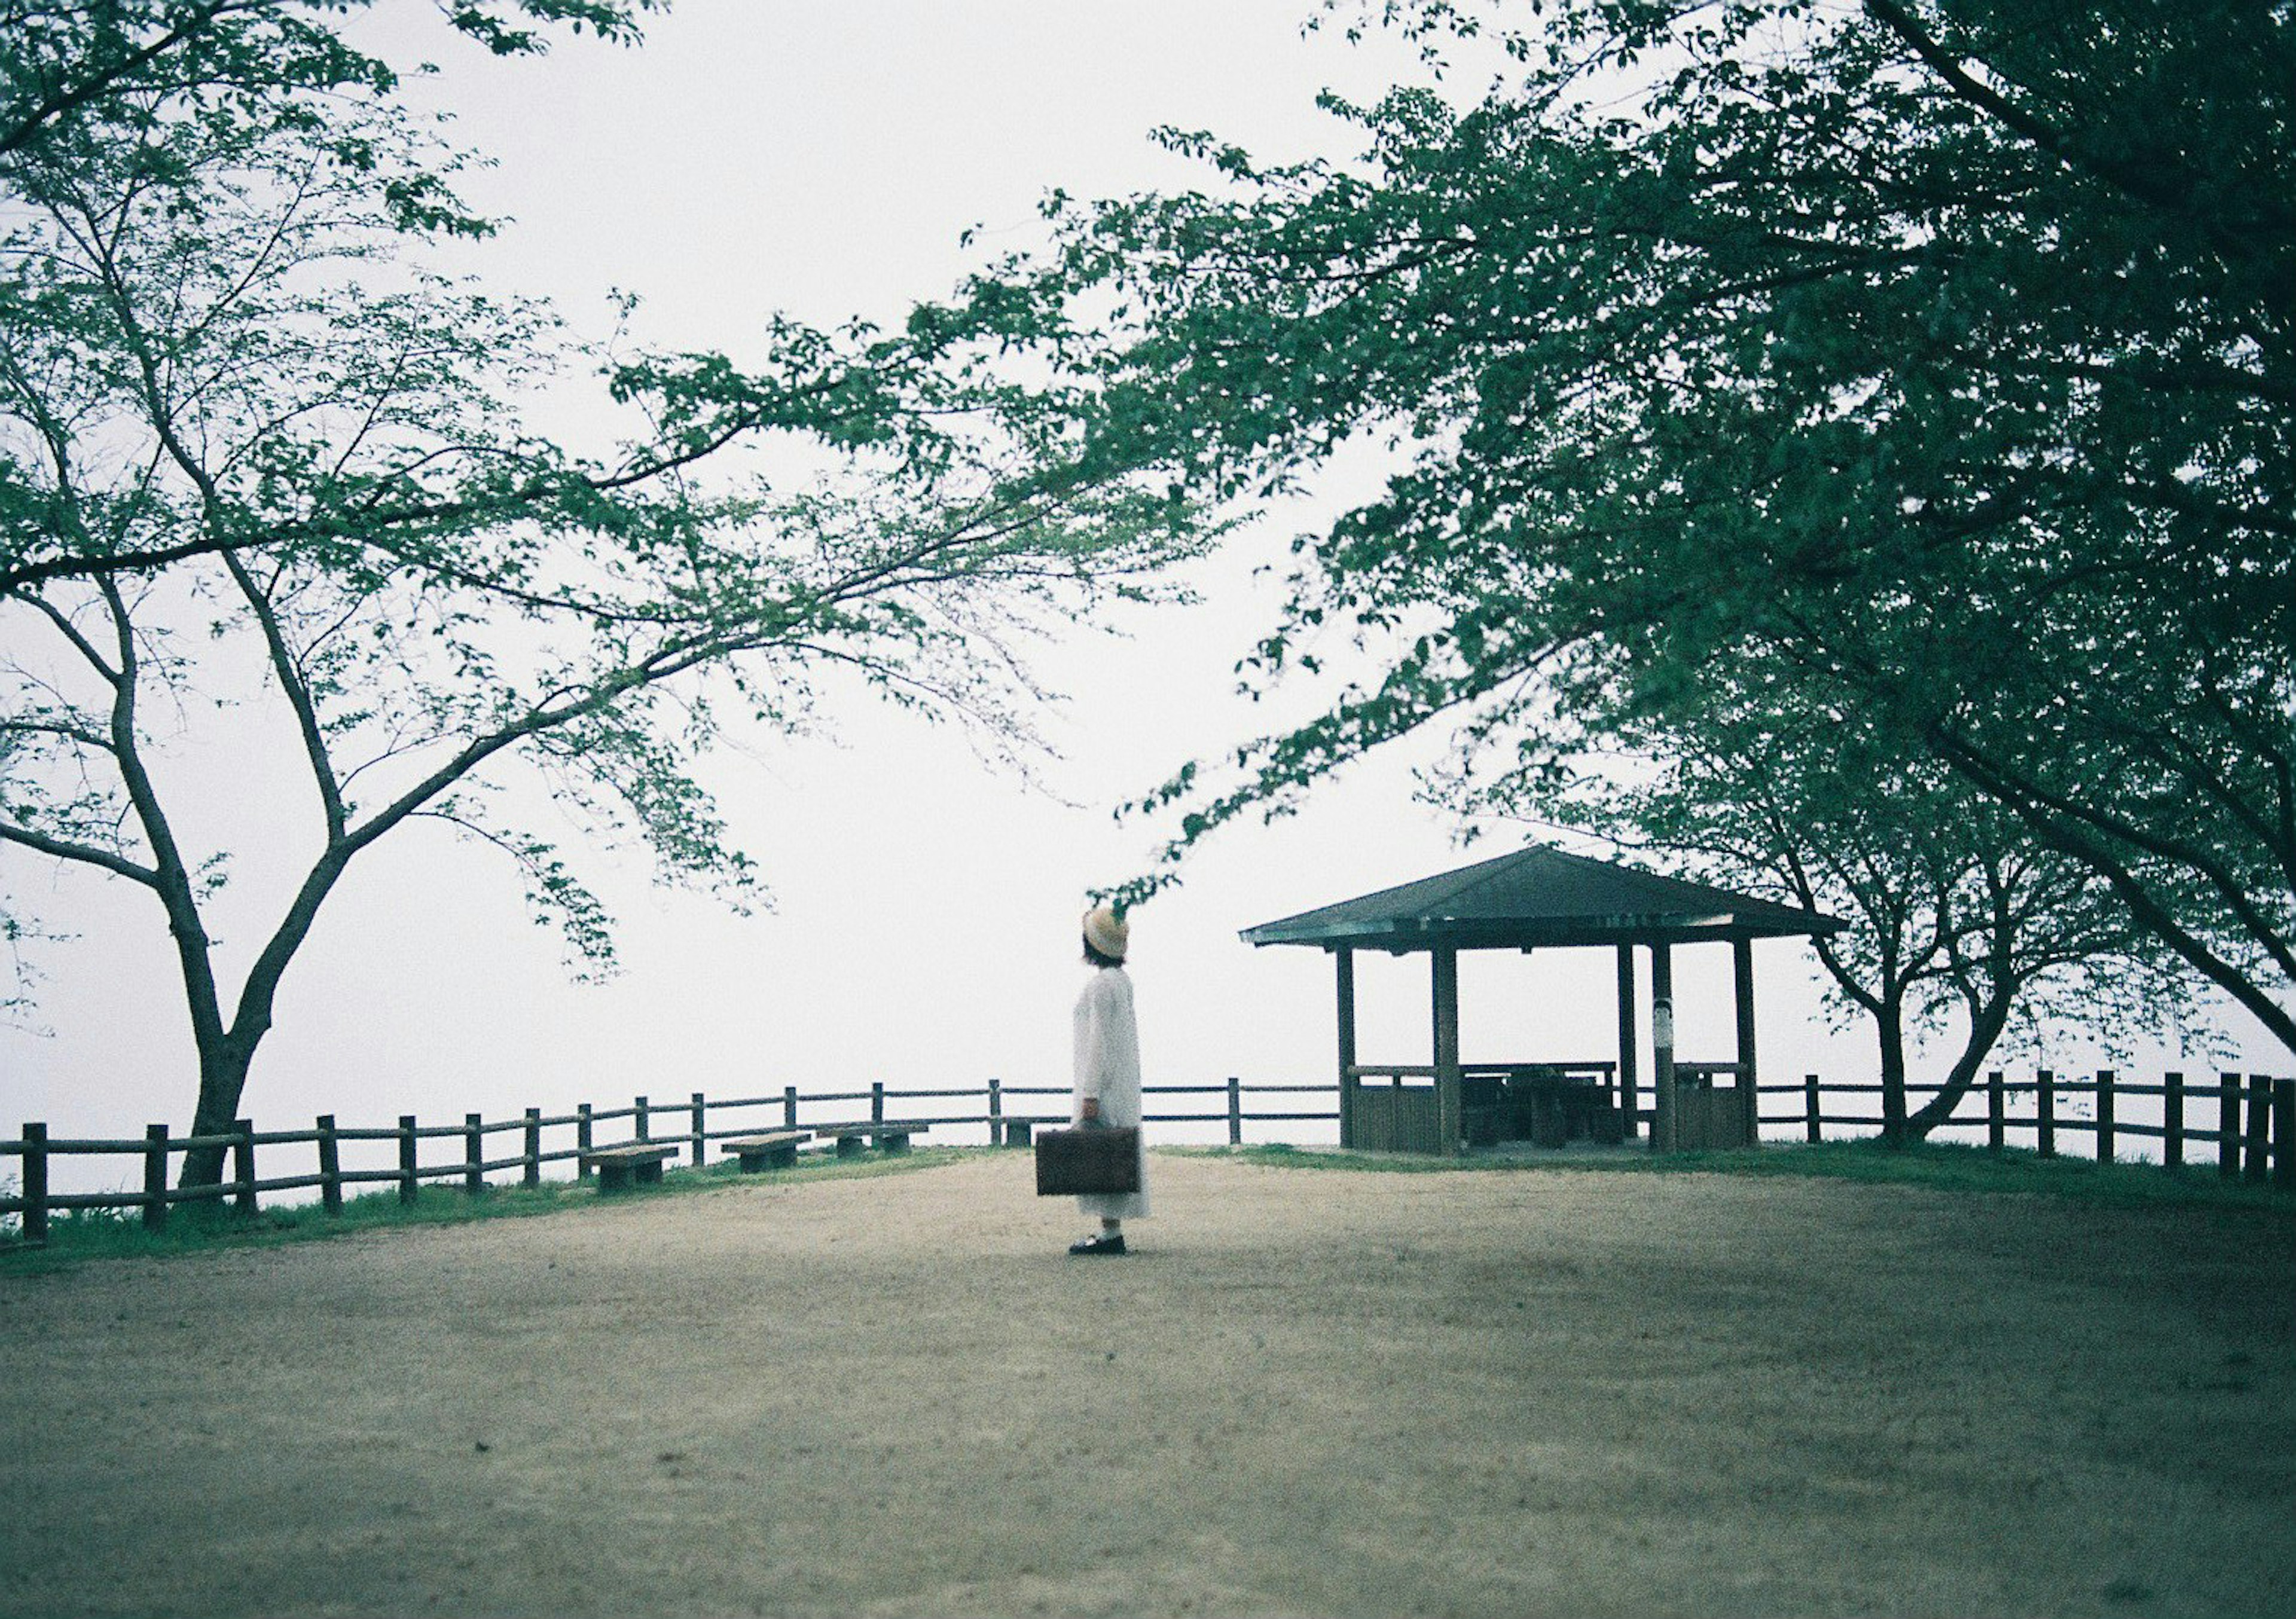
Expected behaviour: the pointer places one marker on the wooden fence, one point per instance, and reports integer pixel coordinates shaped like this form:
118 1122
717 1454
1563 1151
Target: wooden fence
563 1138
2246 1124
2247 1121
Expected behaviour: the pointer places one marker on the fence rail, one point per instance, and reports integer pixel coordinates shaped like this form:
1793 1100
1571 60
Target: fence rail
694 1124
2247 1125
2253 1134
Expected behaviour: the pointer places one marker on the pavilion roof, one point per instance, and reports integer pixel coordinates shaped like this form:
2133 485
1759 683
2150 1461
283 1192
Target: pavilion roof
1540 896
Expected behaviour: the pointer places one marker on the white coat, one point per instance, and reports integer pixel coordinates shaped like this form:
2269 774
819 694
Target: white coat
1108 1067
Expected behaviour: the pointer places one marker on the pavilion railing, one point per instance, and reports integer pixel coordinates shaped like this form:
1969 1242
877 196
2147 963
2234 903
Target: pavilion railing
1603 1070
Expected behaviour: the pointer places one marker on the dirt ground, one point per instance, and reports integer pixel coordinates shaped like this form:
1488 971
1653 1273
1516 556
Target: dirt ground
1485 1393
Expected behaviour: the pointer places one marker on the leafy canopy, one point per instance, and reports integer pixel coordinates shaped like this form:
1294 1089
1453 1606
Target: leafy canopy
1938 350
245 426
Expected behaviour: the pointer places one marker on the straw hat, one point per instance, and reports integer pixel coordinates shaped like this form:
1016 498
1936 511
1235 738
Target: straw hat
1106 932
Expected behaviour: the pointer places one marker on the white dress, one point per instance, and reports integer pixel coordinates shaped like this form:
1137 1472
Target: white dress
1107 1067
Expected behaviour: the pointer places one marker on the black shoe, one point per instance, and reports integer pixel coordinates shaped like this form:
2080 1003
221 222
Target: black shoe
1098 1244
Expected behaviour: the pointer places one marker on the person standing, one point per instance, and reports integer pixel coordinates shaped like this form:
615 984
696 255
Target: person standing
1108 1070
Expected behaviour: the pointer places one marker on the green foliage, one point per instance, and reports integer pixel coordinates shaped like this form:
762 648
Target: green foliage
73 69
1954 916
245 427
1938 353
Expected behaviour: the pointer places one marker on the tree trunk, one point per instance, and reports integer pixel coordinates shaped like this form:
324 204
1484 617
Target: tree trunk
1985 1027
1890 1025
225 1057
223 1076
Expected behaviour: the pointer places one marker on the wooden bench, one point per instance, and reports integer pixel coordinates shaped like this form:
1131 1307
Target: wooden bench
776 1149
632 1164
1021 1132
852 1139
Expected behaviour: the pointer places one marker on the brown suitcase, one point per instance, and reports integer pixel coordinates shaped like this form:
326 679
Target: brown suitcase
1102 1159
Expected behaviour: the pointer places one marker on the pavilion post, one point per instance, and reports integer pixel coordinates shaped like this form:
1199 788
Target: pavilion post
1538 899
1666 1135
1346 959
1447 1120
1629 1087
1741 953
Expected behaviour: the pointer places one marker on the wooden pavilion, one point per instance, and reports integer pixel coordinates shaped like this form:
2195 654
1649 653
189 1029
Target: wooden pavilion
1541 898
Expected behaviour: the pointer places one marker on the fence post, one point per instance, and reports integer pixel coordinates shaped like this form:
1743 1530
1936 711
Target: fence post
2259 1121
1813 1107
876 1101
1234 1111
644 1123
331 1167
582 1142
2229 1124
788 1107
532 1176
2045 1119
996 1112
1996 1111
36 1183
243 1152
2284 1134
2105 1153
700 1135
474 1154
155 1177
409 1182
2172 1119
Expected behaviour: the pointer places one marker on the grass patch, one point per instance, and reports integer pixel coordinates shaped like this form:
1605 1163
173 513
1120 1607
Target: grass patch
1939 1167
80 1235
86 1235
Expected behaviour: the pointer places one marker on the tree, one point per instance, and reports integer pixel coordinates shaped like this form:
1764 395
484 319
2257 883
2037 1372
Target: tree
1955 915
253 448
1941 350
89 81
81 64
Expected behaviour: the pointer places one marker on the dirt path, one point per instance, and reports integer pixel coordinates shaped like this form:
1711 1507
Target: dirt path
1310 1393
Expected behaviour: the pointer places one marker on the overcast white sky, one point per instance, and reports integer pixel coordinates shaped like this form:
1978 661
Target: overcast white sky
823 157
